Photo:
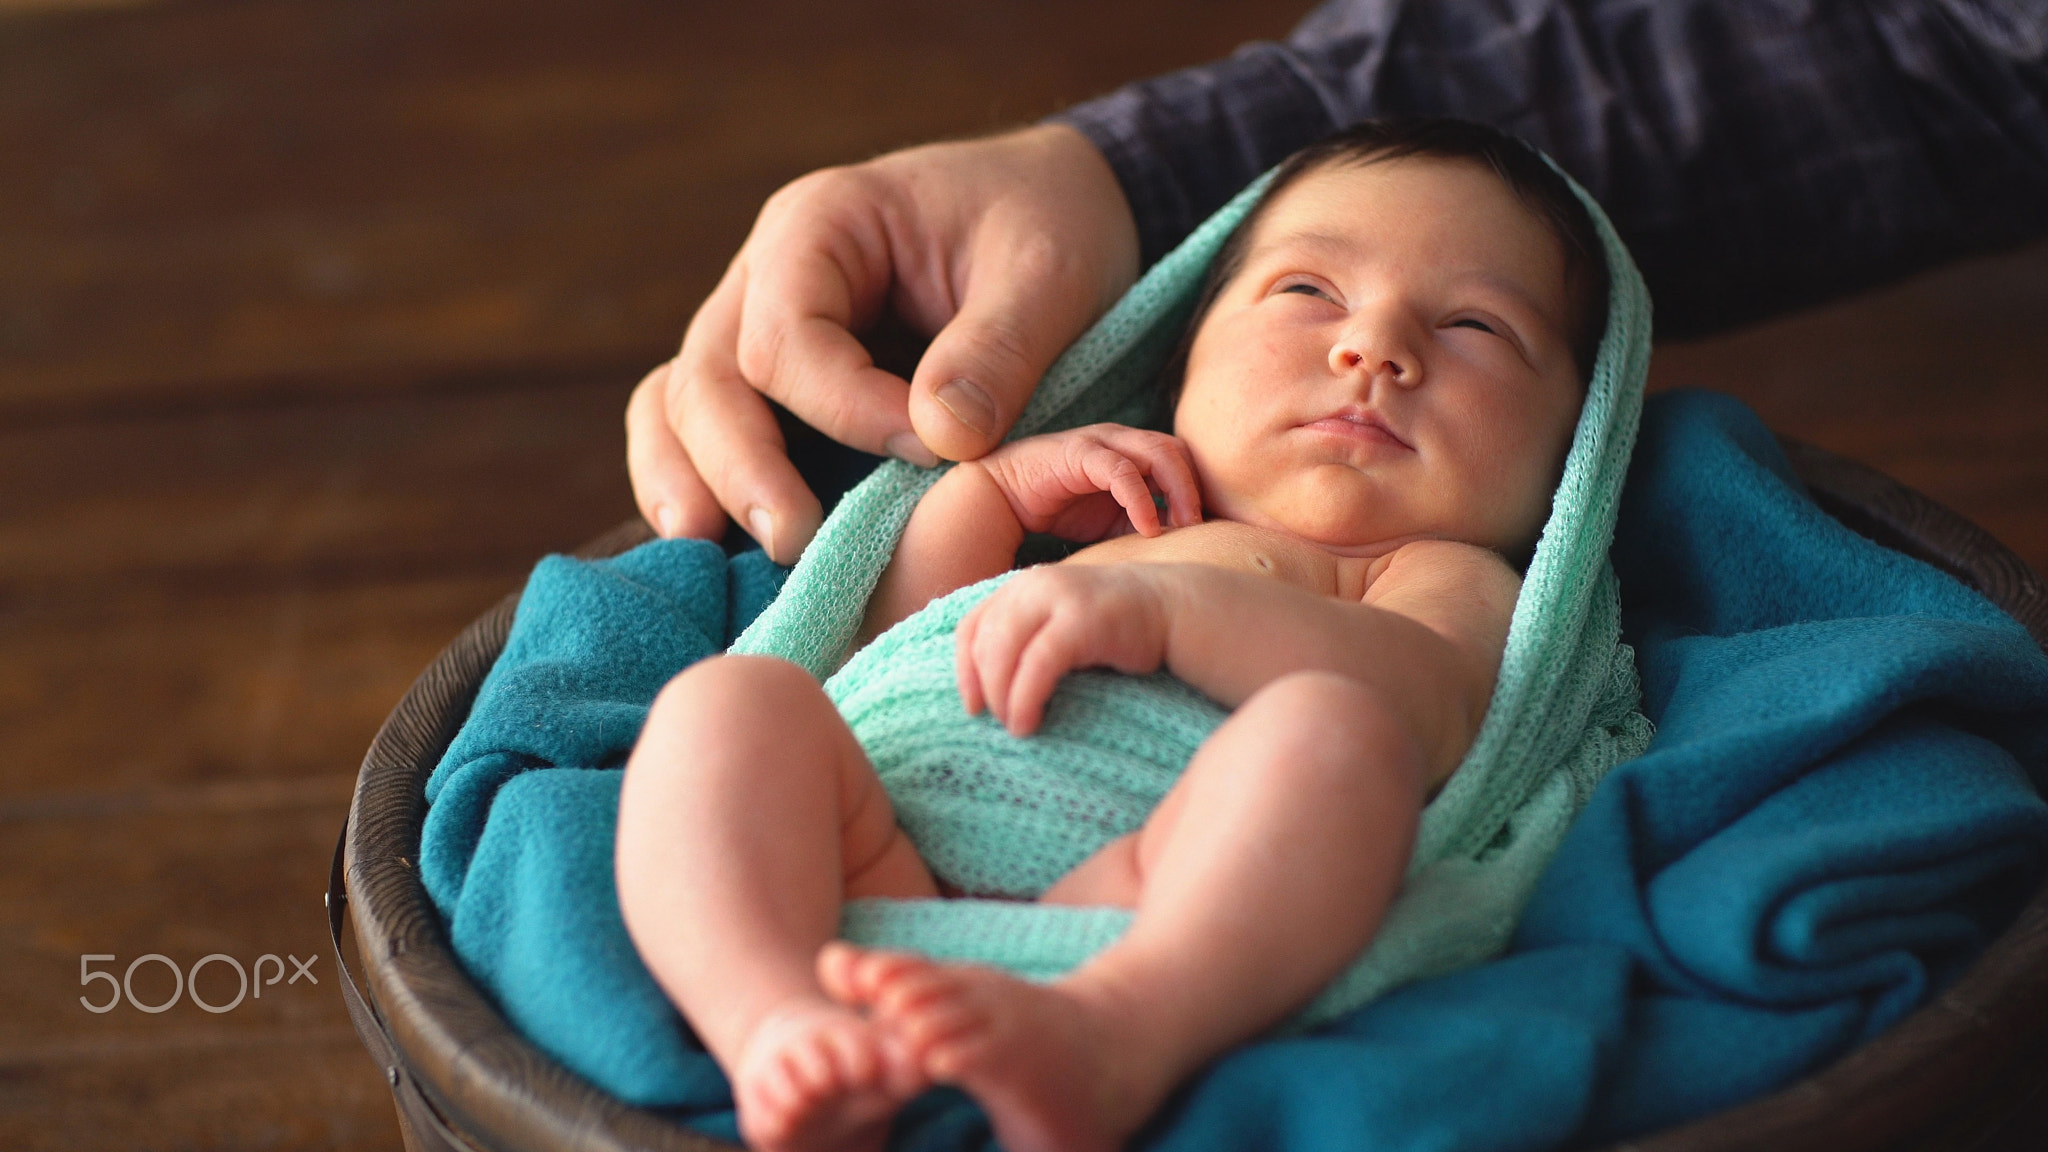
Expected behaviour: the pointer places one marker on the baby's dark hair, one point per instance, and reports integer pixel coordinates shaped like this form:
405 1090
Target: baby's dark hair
1519 166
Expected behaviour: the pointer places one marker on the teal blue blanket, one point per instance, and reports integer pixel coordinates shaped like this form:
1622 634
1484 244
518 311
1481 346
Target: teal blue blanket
1835 816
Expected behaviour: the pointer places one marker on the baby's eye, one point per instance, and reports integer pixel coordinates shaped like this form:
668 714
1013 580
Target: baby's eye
1469 322
1305 288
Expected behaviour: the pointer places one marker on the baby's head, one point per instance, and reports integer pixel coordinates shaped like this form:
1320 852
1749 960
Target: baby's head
1394 343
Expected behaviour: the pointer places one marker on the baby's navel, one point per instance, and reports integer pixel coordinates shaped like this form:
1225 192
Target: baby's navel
1264 562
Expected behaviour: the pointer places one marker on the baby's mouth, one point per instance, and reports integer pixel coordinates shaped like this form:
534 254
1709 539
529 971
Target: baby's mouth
1359 423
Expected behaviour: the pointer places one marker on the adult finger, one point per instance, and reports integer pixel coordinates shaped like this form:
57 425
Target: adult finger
731 435
1024 303
671 496
795 342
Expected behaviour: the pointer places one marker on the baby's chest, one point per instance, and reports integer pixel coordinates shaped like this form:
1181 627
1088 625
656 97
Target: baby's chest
1224 544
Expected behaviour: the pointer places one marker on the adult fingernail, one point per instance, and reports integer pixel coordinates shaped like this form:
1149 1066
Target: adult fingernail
906 446
763 527
667 520
969 405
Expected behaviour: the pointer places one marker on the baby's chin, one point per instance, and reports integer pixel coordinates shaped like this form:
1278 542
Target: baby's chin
1348 513
1334 509
1347 531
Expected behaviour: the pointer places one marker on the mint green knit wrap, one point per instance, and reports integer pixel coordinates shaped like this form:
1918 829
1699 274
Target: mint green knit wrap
1563 711
993 814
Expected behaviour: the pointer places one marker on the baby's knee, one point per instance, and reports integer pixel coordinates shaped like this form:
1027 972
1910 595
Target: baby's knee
726 707
733 686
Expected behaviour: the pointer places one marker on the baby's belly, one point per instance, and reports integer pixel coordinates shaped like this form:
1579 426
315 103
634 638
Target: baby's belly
997 814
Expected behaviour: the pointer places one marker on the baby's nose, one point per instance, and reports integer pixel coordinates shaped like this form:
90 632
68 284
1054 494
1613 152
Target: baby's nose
1382 337
1398 368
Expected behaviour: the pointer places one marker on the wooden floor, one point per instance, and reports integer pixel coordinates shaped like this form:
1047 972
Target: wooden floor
317 320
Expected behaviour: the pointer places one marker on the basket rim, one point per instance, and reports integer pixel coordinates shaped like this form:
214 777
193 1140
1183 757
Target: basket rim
489 1081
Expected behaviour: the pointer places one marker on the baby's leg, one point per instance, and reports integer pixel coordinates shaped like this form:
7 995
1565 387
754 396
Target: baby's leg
1264 872
748 813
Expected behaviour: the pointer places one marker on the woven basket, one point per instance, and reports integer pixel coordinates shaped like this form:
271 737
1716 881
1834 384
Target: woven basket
464 1081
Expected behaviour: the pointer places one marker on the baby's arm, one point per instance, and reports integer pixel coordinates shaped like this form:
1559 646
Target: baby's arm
1082 484
1428 636
961 531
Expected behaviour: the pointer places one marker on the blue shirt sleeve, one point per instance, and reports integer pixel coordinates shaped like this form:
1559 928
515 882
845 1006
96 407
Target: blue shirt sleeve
1757 155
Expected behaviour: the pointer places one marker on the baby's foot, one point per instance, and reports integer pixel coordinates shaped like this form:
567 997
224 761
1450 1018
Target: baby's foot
1048 1066
814 1076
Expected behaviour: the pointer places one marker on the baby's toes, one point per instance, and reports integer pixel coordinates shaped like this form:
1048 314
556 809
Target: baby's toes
940 1020
951 1056
768 1103
872 974
855 1062
836 962
915 986
814 1067
936 1021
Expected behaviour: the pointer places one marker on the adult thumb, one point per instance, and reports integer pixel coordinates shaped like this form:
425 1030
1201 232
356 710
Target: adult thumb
979 371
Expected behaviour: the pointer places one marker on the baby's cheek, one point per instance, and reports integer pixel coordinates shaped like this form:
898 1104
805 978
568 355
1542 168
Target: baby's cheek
1516 490
1540 495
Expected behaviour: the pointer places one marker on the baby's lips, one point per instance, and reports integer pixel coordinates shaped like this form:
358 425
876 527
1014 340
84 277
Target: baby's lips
1362 418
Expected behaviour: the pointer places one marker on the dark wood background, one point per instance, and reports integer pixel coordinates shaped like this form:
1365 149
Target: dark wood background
317 321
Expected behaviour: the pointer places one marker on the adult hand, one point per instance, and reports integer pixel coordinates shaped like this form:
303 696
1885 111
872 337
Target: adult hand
1004 249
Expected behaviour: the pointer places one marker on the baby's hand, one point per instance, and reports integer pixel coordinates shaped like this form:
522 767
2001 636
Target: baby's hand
1090 483
1047 621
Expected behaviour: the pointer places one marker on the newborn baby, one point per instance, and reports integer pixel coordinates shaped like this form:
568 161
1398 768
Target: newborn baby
1382 379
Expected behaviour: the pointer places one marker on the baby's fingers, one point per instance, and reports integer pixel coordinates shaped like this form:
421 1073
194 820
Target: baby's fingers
1006 623
1165 459
1115 473
964 671
1175 476
1048 656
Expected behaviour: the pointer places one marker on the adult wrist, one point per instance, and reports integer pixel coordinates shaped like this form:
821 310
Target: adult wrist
1094 181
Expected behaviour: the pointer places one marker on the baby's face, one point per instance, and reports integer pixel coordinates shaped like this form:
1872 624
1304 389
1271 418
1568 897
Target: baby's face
1391 363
